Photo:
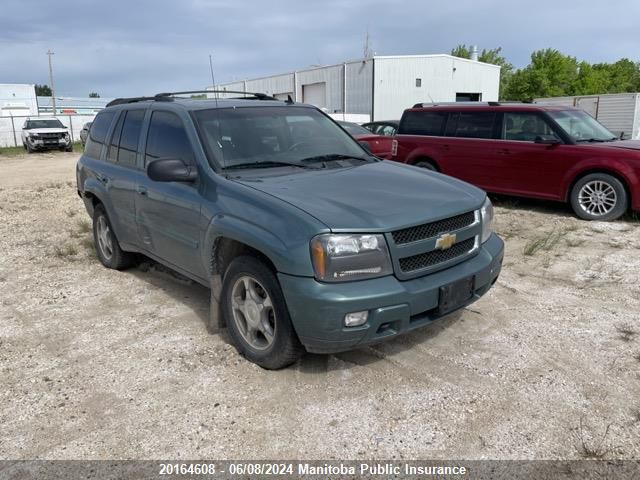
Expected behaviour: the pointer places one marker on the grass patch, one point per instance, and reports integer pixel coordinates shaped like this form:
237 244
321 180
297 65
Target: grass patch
543 242
12 151
589 450
626 331
84 226
89 246
15 151
68 250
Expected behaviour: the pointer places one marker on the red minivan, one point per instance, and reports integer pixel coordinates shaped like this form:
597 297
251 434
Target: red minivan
528 150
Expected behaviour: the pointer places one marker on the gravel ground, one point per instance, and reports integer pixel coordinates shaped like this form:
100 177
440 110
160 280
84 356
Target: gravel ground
98 364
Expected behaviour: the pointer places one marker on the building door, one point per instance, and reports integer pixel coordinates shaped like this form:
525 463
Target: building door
468 97
315 94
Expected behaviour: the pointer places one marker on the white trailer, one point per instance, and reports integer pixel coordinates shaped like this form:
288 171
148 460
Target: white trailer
619 112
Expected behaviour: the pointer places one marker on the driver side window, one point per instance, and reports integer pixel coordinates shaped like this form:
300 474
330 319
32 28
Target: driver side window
524 126
167 138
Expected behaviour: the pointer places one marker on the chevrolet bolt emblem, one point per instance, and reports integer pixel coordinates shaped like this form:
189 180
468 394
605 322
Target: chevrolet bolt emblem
445 241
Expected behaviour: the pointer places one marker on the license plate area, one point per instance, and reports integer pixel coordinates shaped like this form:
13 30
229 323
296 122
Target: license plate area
455 294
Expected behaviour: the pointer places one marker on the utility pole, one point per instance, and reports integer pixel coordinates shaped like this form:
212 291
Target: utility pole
53 92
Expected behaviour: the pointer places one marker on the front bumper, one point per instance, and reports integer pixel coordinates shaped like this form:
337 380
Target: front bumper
48 145
317 309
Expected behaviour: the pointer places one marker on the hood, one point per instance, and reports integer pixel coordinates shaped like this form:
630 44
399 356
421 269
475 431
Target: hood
380 196
47 130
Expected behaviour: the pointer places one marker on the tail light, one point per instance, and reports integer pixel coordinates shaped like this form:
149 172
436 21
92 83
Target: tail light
394 148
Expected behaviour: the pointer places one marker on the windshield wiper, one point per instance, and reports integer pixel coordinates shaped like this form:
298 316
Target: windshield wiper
268 164
333 156
598 140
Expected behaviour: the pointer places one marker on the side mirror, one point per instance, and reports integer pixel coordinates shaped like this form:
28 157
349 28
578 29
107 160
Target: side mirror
366 146
547 140
171 170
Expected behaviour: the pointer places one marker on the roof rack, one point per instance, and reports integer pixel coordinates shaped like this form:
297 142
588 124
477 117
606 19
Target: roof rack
169 96
490 104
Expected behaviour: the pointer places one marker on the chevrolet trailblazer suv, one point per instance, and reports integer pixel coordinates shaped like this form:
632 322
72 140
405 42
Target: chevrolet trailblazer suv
305 239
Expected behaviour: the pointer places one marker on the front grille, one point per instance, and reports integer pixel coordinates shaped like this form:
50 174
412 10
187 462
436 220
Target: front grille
428 230
428 259
51 135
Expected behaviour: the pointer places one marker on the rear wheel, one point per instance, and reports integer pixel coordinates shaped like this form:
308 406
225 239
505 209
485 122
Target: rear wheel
107 247
599 196
257 316
426 164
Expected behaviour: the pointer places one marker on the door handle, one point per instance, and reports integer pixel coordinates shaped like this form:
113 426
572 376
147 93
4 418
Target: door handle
141 190
504 151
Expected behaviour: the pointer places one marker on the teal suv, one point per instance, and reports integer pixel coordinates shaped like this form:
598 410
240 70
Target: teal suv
305 239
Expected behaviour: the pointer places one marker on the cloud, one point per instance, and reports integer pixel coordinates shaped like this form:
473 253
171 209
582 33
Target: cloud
132 48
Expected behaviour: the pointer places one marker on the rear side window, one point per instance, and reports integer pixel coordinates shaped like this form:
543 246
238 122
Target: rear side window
112 152
98 134
129 138
167 138
472 125
423 123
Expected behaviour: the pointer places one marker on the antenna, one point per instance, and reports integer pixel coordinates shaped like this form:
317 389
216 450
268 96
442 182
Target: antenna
213 80
367 51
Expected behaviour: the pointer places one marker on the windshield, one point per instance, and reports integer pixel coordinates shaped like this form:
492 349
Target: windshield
43 124
274 136
354 128
581 126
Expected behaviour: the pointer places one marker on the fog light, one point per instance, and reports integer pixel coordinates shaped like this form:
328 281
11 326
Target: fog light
355 319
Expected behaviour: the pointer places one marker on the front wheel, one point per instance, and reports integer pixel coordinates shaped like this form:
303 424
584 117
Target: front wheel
599 196
257 316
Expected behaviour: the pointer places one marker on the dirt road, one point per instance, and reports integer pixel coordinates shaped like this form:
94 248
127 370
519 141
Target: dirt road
101 364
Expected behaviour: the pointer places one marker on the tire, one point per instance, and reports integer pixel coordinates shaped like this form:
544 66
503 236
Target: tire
599 196
261 330
29 149
69 148
426 164
107 247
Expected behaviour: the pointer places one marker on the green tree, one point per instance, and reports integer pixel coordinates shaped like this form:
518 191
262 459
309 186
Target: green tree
94 95
493 56
43 90
550 74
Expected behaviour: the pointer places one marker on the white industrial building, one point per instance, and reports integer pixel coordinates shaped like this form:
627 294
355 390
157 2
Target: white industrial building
17 100
619 112
381 87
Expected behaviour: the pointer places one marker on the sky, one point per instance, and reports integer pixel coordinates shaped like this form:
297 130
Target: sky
131 48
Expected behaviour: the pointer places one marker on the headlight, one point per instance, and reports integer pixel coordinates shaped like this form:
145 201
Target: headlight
34 136
486 213
342 258
66 136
